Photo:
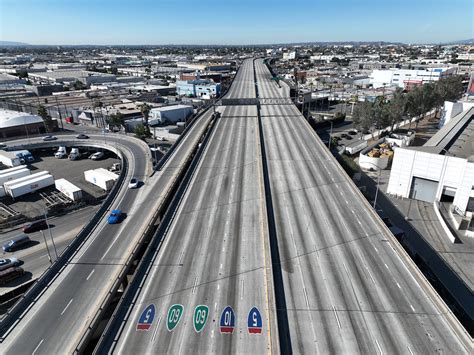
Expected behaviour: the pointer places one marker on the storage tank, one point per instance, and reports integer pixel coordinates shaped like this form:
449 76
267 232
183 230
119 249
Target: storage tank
99 178
29 186
68 189
13 175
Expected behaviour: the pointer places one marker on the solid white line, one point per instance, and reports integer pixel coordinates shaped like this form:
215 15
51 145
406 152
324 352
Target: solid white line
306 297
111 245
412 308
195 283
400 287
386 266
409 349
34 351
242 290
371 275
378 346
156 329
337 318
88 277
69 303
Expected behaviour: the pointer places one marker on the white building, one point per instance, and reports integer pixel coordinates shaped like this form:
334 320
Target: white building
405 77
174 113
441 169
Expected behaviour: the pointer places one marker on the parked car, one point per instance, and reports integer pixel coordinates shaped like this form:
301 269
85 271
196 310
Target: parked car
8 263
82 136
49 138
15 243
35 226
114 217
352 133
10 274
133 184
96 156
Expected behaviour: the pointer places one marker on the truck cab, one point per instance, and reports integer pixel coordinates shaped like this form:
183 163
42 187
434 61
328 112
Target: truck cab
74 155
61 153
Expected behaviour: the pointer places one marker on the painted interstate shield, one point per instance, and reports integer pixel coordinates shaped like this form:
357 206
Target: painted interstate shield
227 323
174 315
146 318
254 321
200 317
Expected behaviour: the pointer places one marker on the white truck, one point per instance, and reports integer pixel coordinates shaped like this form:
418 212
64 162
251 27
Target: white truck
68 189
29 186
24 155
74 155
101 178
61 153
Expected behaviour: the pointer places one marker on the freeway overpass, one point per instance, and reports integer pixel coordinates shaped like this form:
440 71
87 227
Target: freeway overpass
58 320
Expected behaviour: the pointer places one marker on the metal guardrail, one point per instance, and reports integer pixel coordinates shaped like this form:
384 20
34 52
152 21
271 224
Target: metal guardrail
22 306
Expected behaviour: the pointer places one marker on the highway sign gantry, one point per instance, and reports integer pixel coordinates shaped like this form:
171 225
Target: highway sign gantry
174 315
227 323
200 317
254 321
146 318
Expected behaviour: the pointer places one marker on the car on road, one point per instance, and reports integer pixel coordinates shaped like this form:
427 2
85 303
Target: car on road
82 136
96 156
15 243
133 184
8 263
35 226
49 138
114 217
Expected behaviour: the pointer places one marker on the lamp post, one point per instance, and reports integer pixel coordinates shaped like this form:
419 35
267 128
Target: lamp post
378 181
47 248
50 234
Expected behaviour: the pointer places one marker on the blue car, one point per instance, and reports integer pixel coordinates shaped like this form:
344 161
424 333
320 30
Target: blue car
114 217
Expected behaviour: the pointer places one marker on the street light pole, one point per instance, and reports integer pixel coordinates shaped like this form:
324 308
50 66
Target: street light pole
50 234
377 190
47 249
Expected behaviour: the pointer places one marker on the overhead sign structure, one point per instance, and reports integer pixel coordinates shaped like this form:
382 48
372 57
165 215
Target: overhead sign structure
200 317
254 322
174 315
227 323
146 318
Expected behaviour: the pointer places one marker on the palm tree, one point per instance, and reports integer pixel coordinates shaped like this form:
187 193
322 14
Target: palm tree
43 113
145 110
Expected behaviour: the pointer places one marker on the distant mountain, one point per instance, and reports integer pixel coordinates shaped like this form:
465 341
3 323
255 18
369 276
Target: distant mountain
465 41
13 44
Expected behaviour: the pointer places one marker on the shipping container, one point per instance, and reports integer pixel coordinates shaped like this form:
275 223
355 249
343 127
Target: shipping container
29 186
13 175
99 178
68 189
9 159
6 184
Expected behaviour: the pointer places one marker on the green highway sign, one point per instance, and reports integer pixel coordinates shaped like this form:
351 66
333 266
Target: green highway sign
174 315
200 317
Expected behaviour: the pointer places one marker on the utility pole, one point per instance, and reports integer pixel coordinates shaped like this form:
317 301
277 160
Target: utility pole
47 249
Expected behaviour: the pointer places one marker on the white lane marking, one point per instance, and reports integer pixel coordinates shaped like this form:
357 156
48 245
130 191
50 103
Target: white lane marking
37 346
242 289
111 245
69 303
156 329
335 315
376 249
412 308
180 258
378 346
306 296
400 287
218 286
386 266
345 267
373 280
409 349
195 283
88 277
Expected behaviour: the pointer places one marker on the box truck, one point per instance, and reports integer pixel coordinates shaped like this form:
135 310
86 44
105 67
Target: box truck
101 177
9 158
24 155
68 189
29 186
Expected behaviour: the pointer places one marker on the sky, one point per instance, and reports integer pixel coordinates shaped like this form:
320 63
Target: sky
222 22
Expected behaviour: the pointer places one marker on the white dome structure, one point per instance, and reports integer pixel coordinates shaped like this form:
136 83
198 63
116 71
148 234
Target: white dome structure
9 119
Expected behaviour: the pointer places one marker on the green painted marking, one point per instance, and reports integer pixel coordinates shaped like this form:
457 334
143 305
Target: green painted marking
200 317
174 315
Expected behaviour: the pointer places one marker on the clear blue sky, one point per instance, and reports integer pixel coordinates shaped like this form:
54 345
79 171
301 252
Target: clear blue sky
233 21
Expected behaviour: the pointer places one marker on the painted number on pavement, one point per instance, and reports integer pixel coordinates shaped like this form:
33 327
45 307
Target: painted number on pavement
227 323
200 317
174 315
254 321
146 318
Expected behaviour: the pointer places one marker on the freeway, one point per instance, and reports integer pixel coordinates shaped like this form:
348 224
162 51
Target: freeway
213 254
346 288
244 84
58 320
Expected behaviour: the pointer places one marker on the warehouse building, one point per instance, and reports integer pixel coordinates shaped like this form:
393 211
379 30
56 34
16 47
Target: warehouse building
440 170
173 114
15 123
71 76
406 78
198 88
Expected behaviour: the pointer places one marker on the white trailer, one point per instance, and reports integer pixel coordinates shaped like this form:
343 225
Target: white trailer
29 186
172 114
99 178
68 189
9 158
13 175
355 147
9 170
7 184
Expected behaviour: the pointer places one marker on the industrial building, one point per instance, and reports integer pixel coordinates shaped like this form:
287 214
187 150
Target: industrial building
198 88
442 169
405 78
71 76
171 114
15 123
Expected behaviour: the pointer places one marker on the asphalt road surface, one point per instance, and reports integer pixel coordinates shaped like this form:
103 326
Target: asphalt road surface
57 321
346 289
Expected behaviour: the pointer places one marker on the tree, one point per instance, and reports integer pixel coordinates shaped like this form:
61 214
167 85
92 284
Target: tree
145 110
79 85
43 113
141 132
115 120
397 108
363 116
